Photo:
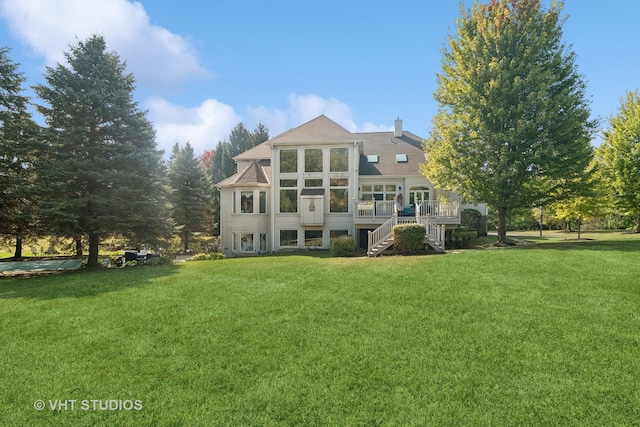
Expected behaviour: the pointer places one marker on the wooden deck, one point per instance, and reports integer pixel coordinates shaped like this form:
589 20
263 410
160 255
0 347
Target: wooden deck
434 215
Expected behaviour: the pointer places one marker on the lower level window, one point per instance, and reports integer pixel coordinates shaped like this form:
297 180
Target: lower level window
289 238
313 238
337 233
263 242
246 242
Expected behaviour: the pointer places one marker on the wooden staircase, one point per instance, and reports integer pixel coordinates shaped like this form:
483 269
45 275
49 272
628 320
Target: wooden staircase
381 238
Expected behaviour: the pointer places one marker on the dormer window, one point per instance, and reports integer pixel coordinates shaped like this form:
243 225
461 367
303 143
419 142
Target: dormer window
401 158
372 158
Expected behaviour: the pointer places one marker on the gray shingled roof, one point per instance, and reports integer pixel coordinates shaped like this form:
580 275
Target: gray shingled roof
324 130
260 151
386 146
319 130
255 173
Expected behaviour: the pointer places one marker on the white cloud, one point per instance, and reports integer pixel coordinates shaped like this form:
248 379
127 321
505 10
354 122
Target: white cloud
302 108
202 126
158 58
307 107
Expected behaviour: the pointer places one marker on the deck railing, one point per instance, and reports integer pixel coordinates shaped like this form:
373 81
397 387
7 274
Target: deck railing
380 234
377 209
384 209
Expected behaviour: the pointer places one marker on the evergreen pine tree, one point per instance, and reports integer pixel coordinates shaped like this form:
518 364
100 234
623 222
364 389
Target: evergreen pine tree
102 171
18 139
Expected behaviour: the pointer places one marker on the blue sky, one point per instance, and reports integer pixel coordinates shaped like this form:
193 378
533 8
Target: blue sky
203 66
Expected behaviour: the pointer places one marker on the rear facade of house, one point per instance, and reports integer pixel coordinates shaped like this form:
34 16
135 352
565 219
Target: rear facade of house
319 181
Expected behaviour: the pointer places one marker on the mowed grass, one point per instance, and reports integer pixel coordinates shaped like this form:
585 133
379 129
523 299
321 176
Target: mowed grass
547 334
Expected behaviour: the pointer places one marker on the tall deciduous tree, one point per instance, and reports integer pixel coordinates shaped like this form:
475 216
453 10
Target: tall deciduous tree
619 156
102 171
18 139
189 193
513 127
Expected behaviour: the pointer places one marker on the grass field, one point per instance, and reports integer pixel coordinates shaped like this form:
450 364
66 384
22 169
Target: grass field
543 334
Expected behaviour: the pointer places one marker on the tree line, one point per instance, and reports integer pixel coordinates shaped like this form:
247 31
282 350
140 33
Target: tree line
94 170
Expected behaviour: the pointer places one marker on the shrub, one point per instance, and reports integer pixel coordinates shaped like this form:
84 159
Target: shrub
163 259
408 238
472 219
460 238
207 257
343 246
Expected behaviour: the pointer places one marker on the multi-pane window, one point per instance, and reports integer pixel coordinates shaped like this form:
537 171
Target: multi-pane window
313 160
288 161
378 192
339 160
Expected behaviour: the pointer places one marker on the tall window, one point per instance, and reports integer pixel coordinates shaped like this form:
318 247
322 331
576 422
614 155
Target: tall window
233 202
263 242
246 202
288 161
339 160
263 202
338 195
313 160
288 195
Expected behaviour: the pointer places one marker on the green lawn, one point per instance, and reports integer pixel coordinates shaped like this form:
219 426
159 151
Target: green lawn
545 334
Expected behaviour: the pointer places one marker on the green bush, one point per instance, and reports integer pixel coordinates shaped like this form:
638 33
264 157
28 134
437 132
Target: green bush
408 238
472 219
343 246
462 238
207 257
164 259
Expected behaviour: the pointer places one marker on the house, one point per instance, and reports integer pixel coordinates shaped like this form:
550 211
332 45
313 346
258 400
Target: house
319 181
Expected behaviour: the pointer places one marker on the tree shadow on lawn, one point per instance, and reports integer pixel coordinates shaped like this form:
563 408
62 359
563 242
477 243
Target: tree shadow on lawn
82 283
585 244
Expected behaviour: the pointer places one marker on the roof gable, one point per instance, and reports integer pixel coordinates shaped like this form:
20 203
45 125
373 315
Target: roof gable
319 130
252 174
260 151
